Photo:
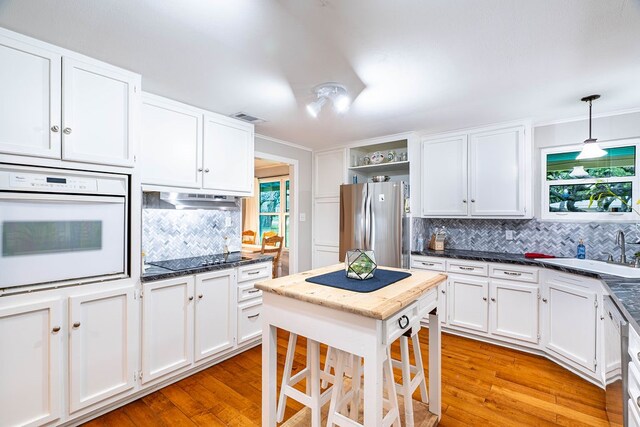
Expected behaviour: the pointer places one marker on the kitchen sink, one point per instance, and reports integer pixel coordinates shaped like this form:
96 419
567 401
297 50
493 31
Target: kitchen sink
595 266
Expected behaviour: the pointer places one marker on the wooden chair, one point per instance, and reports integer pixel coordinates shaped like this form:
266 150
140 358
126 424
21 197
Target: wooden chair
249 236
278 242
269 234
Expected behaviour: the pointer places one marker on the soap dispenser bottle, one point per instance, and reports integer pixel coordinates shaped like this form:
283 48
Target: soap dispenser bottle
582 251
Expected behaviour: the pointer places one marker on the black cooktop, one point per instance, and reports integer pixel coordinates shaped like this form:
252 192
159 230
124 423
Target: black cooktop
199 261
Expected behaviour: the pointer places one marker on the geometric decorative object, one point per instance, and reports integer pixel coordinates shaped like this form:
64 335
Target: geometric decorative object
360 264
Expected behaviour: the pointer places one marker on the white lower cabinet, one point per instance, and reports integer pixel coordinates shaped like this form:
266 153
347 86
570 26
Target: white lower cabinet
467 301
167 326
214 314
570 321
30 371
102 346
513 310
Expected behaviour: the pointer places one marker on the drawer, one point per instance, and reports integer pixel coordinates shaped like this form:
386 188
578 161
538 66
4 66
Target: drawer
428 263
633 384
634 348
467 267
401 322
513 272
249 321
633 417
428 302
254 271
247 291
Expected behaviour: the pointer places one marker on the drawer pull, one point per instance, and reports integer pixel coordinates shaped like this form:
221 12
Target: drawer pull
428 264
403 322
467 268
253 272
253 291
512 273
253 316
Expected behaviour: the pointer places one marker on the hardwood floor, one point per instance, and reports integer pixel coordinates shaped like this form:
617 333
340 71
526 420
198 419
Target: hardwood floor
482 384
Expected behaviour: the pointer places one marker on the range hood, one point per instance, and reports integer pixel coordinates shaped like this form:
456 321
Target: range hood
200 201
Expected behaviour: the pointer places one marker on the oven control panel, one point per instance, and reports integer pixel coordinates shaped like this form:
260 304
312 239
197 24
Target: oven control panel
55 182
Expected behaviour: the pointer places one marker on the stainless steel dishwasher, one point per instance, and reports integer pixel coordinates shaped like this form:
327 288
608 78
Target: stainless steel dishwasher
616 336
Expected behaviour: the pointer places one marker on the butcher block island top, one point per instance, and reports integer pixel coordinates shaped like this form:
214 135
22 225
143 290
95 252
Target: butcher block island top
380 304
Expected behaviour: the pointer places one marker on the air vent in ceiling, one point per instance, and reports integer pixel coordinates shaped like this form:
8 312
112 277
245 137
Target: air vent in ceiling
248 118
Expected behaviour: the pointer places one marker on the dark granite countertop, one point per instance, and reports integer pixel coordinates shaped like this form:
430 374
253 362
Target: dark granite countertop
154 272
625 292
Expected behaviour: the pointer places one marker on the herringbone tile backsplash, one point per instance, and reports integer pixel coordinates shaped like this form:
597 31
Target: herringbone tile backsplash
556 238
171 234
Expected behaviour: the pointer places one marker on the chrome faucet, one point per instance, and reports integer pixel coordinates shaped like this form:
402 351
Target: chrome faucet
623 247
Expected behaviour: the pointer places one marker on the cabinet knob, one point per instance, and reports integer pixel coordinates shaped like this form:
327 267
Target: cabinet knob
464 200
66 131
55 128
638 356
206 170
473 200
638 401
493 300
544 300
484 298
76 324
443 291
199 169
55 329
191 298
200 296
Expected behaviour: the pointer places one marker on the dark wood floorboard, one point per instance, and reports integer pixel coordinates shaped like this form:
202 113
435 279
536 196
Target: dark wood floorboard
483 384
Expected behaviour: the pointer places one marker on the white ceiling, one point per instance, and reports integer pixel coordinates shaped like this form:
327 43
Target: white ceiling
413 65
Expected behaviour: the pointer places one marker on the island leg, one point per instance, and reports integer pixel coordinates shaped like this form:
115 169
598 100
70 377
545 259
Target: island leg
269 373
435 364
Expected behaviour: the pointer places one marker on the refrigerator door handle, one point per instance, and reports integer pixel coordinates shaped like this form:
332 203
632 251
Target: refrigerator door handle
363 220
372 228
367 222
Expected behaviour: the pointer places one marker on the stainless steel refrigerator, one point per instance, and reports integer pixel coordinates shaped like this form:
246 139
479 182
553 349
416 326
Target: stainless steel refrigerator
372 216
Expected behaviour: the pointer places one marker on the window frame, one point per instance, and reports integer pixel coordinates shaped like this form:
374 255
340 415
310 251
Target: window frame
283 214
545 215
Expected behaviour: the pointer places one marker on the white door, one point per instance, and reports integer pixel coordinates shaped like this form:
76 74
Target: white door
167 326
468 303
97 114
514 310
102 346
444 177
497 172
30 348
30 88
570 323
326 222
171 141
227 155
325 255
215 313
329 173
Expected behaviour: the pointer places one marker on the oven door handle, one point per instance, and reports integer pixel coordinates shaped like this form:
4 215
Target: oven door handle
61 198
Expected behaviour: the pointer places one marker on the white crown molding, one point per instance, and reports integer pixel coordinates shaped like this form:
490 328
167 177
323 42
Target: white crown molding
282 142
586 117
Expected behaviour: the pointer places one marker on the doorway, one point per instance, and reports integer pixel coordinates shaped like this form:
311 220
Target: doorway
272 209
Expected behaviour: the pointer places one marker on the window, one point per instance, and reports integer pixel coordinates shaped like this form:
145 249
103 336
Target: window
274 207
604 189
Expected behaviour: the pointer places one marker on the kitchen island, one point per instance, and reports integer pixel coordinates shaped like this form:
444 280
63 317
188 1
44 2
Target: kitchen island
364 324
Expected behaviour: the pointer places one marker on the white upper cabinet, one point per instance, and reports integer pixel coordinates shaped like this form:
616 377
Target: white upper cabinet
97 113
56 105
102 346
227 155
444 177
30 353
484 173
329 173
171 139
30 100
497 172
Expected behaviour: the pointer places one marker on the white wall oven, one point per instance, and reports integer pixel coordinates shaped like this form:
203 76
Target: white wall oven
60 225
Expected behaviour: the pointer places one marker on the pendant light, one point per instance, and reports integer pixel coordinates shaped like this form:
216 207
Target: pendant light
591 149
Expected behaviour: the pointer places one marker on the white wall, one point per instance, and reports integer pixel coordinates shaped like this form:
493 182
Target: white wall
609 128
303 156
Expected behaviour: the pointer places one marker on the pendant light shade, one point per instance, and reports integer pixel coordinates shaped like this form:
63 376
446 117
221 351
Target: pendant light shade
591 149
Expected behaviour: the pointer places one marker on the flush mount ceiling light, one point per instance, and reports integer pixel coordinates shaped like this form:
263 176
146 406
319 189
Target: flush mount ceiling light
591 149
334 92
